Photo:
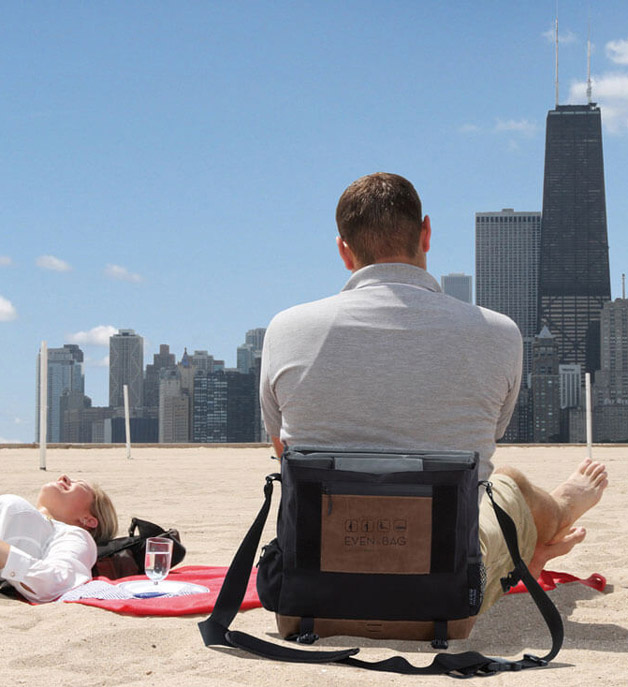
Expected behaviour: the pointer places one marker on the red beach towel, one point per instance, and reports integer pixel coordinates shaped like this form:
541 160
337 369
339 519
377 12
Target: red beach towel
549 579
208 576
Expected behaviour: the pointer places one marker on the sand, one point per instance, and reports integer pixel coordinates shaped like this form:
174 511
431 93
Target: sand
211 495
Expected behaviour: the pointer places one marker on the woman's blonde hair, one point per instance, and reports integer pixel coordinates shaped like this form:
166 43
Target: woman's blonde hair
103 510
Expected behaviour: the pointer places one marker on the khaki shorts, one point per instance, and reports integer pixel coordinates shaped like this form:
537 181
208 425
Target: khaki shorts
492 544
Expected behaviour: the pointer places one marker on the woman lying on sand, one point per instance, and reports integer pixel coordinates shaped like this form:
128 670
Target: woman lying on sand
50 548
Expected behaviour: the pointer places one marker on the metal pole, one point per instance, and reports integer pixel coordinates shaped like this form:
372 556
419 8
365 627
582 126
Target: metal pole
127 421
587 386
43 403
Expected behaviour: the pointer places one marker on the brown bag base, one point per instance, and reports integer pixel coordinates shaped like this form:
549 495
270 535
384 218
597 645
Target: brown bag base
376 629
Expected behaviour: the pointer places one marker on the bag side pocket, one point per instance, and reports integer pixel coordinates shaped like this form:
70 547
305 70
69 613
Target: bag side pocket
270 575
477 584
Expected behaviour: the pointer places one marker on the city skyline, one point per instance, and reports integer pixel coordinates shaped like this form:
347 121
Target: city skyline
194 400
176 172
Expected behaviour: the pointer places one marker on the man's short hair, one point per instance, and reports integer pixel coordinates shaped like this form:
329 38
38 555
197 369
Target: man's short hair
379 216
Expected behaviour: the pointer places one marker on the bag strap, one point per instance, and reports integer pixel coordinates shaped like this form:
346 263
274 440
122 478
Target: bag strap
215 629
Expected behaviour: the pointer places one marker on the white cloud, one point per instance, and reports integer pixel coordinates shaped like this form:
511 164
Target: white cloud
468 128
7 310
122 274
617 51
564 37
97 336
5 261
49 262
4 440
610 91
522 126
97 362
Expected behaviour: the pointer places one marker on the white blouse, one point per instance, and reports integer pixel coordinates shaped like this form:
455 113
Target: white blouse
47 556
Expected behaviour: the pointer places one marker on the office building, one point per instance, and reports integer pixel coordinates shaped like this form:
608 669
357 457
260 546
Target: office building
143 430
174 408
224 407
613 376
202 360
65 376
86 425
250 349
545 385
574 281
457 285
126 366
210 408
506 270
164 360
570 385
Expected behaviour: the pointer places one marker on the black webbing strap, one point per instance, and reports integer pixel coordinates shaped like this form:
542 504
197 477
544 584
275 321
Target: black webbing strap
541 599
215 629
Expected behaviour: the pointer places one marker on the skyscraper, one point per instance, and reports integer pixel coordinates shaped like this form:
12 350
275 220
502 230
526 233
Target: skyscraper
574 280
126 366
65 377
545 388
506 270
457 285
161 361
612 379
174 408
250 349
224 407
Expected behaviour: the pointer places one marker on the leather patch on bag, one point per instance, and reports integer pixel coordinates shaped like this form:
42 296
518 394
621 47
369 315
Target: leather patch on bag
376 534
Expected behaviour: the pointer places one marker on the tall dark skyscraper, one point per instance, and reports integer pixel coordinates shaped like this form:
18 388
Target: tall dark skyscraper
574 279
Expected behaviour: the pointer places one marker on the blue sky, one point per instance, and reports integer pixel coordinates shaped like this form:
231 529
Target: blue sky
173 167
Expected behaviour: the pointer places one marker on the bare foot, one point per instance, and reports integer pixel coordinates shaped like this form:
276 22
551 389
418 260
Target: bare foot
580 492
557 547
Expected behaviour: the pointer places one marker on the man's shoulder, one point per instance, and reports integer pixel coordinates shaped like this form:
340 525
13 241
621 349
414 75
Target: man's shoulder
475 320
498 320
306 313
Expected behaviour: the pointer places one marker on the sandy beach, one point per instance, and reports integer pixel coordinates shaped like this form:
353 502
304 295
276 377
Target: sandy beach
211 495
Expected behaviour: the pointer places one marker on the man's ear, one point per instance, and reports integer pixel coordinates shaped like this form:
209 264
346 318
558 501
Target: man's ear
426 234
346 254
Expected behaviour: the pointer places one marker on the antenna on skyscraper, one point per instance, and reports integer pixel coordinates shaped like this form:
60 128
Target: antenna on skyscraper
589 64
556 35
623 286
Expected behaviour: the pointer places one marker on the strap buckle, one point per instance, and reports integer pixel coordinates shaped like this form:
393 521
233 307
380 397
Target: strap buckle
541 662
513 578
307 638
500 665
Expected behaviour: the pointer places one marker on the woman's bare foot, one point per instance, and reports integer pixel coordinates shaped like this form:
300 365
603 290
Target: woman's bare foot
580 492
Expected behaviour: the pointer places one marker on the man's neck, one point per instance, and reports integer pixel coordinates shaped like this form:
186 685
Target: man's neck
418 261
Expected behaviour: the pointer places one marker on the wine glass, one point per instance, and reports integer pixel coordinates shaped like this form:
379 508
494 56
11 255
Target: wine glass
158 558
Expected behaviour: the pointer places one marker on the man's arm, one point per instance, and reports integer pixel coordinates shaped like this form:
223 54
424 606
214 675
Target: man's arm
278 445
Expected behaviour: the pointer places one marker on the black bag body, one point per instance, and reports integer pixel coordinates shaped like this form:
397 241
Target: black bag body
375 545
382 545
124 556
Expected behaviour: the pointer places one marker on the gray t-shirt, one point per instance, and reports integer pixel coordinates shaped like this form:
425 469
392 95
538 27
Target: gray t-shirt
391 363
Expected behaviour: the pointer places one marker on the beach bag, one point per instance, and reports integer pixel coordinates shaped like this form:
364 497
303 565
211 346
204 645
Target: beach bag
124 556
379 545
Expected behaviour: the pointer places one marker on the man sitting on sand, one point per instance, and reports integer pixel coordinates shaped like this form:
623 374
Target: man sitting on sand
391 363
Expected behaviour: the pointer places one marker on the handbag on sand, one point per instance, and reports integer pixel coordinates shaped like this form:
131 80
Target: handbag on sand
381 545
124 556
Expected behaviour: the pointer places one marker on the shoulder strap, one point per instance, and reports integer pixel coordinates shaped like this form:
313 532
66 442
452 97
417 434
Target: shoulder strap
215 629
